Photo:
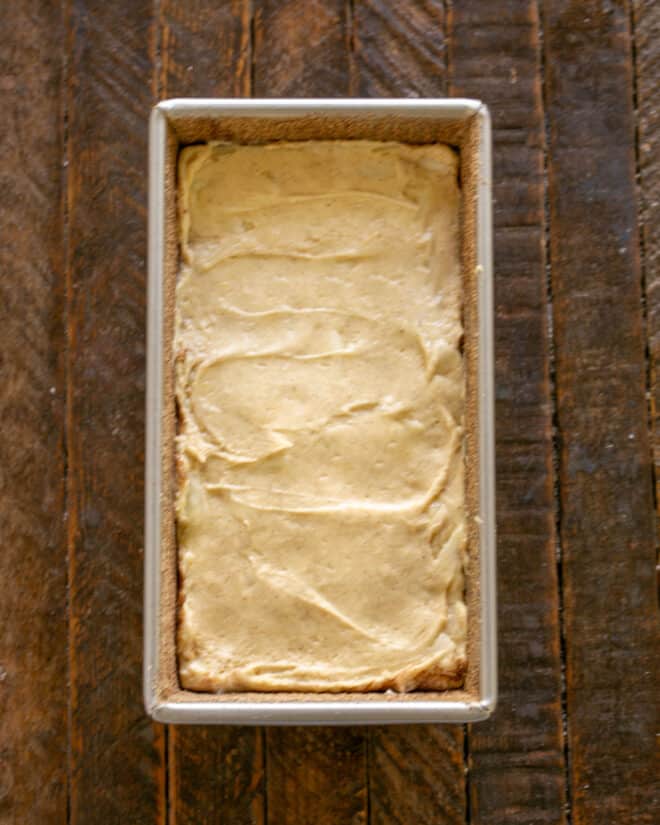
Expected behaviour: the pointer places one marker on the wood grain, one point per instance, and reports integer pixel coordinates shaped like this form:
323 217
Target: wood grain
116 753
33 566
313 775
399 49
647 59
316 775
605 462
204 49
416 775
517 772
300 48
216 773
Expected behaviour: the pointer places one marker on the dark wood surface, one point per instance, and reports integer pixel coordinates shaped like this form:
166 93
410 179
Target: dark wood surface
605 471
116 755
646 30
517 763
573 91
33 399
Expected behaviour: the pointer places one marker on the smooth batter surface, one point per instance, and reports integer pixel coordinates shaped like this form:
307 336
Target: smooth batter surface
320 389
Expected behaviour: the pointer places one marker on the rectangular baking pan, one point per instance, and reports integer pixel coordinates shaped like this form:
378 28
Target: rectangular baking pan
464 124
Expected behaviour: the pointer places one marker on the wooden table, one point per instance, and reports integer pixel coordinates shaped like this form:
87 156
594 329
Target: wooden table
577 214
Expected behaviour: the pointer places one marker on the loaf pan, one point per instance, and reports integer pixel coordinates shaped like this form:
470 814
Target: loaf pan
464 124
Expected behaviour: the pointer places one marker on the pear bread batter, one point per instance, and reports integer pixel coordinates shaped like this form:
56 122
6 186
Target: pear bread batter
320 390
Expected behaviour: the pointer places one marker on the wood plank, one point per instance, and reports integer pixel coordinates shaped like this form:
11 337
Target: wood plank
33 615
399 48
313 774
516 764
605 464
317 775
416 772
204 49
116 753
417 775
301 48
647 59
216 773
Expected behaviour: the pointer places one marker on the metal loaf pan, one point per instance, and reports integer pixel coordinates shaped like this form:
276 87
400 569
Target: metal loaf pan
464 124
